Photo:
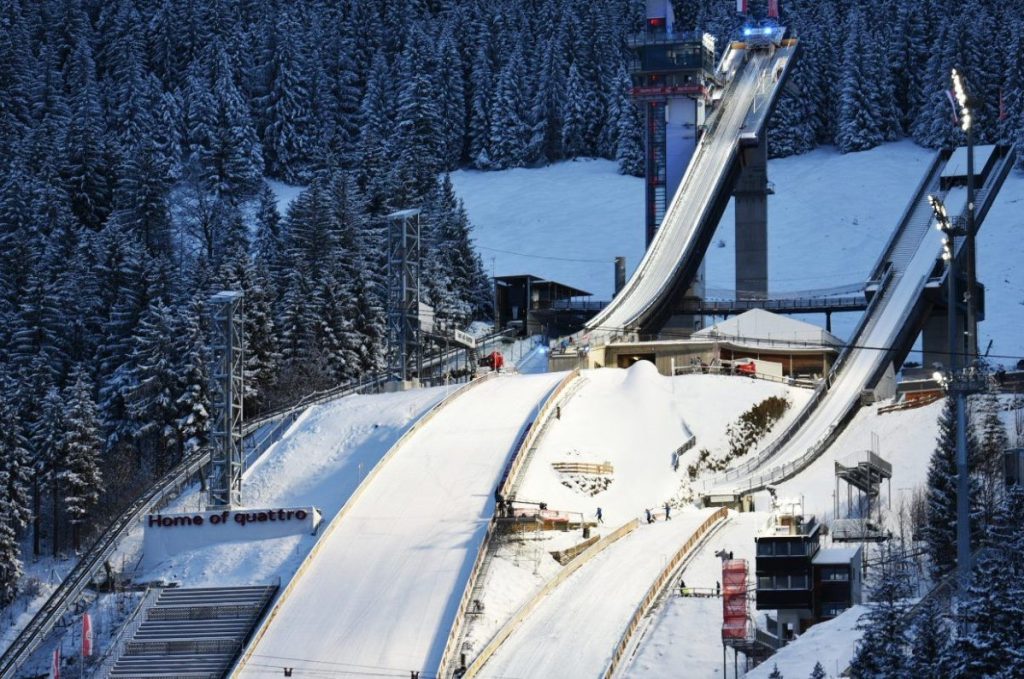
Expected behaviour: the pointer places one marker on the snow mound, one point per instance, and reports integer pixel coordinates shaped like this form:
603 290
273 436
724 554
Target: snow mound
641 379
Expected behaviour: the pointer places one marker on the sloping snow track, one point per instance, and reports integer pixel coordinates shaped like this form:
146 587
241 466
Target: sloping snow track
383 590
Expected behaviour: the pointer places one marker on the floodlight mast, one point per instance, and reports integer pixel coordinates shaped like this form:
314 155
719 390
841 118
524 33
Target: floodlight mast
964 99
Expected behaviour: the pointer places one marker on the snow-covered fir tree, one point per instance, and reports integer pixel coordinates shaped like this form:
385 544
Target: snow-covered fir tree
992 614
80 478
880 652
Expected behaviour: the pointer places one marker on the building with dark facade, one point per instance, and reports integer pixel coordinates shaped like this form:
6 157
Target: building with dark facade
803 582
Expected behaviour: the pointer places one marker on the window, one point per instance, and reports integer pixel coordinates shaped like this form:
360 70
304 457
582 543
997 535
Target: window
764 548
782 582
835 574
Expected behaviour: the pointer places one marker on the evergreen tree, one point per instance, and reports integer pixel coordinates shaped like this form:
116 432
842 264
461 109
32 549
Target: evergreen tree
574 114
452 99
776 674
880 653
418 127
818 672
479 128
546 114
15 466
89 185
993 612
940 529
629 149
80 478
286 105
193 404
510 130
929 651
153 388
859 125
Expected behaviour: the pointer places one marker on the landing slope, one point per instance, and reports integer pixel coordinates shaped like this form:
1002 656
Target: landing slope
383 590
579 625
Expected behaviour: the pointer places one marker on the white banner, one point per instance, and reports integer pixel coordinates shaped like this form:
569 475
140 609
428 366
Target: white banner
166 535
464 338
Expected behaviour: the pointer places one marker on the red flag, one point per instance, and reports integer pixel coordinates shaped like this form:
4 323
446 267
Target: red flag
773 9
1002 106
86 635
55 665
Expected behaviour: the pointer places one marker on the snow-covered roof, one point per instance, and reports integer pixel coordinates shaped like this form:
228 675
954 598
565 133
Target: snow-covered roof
758 325
836 555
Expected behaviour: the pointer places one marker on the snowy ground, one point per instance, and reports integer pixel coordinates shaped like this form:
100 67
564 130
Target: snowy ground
831 643
829 218
906 439
600 424
319 462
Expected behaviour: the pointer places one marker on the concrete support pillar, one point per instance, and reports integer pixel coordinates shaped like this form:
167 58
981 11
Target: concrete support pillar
935 337
751 202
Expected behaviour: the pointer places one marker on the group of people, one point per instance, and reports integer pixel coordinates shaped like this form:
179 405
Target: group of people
683 591
668 513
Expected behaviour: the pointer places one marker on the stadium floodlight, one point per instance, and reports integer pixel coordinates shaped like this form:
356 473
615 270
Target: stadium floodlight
960 90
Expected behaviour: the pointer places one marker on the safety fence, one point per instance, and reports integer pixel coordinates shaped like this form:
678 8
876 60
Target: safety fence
564 556
517 618
120 641
533 435
654 591
347 507
528 440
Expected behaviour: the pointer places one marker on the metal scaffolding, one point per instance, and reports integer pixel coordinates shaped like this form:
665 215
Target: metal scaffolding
227 461
404 294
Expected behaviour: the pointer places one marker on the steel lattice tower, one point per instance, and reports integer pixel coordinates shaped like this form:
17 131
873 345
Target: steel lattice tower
228 459
404 294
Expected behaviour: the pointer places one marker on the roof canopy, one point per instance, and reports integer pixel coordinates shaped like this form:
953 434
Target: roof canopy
758 326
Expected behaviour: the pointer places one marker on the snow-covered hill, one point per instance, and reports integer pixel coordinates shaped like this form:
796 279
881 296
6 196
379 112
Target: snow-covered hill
829 219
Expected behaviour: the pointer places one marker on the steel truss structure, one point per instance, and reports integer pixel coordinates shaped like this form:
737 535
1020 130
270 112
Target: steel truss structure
226 389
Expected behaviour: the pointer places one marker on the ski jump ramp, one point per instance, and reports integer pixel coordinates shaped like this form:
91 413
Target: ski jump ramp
678 247
384 588
909 262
